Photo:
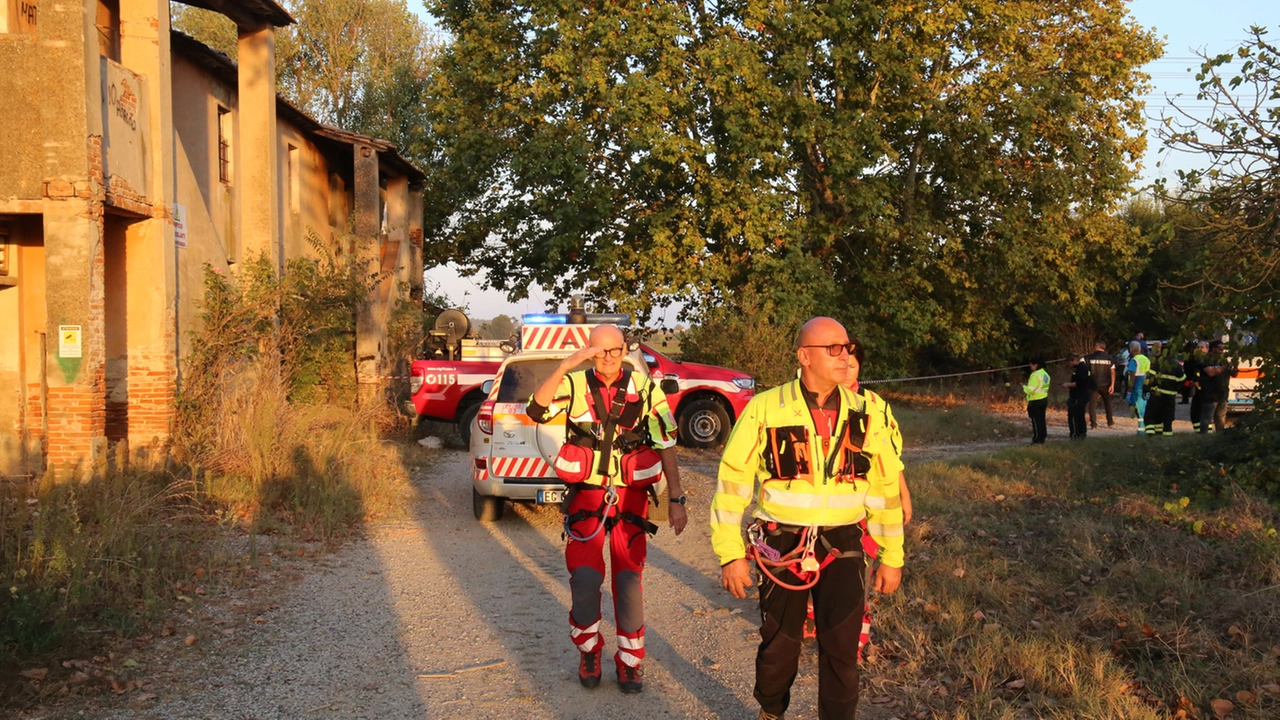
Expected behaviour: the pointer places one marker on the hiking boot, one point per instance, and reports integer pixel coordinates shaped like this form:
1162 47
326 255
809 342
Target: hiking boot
770 716
630 679
589 669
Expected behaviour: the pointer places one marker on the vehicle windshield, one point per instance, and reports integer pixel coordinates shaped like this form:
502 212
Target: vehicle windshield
522 377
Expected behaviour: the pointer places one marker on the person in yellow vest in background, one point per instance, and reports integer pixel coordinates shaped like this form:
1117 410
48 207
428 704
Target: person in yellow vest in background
1139 366
1037 392
805 453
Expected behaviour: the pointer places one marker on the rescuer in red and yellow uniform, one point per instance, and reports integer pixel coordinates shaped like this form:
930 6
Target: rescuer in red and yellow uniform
805 452
602 505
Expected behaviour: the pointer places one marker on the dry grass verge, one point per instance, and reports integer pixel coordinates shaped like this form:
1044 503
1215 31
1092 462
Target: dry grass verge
952 425
1075 580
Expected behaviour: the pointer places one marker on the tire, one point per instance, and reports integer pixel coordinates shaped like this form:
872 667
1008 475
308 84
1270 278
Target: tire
465 418
703 424
486 508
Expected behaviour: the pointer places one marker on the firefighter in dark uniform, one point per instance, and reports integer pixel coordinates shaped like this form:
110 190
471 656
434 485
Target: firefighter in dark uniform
618 414
1165 380
1194 368
1216 384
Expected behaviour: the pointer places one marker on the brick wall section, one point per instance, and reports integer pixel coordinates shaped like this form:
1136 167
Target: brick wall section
151 398
33 419
78 412
117 420
121 195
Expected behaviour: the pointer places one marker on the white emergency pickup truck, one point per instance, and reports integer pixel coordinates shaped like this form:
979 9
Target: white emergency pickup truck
511 455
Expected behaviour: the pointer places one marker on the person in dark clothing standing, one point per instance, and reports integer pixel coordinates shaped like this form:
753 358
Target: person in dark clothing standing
1215 383
1188 385
1194 368
1165 378
1080 387
1103 370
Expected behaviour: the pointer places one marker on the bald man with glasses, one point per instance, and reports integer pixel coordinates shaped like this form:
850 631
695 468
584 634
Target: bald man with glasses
809 455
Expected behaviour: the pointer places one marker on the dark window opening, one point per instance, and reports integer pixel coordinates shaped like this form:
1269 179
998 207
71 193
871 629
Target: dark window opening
224 145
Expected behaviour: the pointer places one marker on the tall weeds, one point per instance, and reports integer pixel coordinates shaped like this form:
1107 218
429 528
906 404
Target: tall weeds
100 552
269 437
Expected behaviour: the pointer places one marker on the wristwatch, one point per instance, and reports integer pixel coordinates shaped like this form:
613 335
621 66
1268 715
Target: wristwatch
680 500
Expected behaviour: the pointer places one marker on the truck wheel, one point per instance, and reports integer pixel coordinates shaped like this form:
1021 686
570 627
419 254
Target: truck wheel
465 418
487 508
703 424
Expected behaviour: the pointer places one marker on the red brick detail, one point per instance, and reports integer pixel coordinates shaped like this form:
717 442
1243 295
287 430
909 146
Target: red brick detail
121 195
33 418
151 398
77 415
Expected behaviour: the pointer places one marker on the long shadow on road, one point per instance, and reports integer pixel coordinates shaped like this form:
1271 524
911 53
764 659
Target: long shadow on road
512 607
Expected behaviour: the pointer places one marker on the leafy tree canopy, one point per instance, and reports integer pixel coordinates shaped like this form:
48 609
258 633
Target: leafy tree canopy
1232 205
929 170
1228 212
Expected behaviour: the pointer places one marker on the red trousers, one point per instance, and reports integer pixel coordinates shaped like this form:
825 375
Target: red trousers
628 545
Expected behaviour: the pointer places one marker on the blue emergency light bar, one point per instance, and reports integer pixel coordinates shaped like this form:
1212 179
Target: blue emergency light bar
561 319
545 319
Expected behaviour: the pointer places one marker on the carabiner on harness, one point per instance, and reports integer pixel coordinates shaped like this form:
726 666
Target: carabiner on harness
802 561
601 515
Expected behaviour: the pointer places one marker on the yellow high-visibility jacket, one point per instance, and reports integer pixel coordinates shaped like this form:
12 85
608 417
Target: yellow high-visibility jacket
816 499
1037 387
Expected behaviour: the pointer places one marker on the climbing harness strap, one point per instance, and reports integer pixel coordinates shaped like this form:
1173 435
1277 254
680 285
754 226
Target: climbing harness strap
801 561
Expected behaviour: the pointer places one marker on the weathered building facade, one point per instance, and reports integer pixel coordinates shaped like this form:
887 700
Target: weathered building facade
131 157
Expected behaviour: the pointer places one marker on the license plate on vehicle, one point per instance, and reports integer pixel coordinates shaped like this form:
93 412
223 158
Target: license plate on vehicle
550 496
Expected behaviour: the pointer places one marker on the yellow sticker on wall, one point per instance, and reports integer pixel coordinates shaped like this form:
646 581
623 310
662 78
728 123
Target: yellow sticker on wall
69 341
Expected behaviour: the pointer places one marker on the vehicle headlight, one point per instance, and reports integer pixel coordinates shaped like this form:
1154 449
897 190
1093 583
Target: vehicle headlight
745 383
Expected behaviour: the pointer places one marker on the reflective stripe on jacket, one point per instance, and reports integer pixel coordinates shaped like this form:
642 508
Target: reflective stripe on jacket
1037 387
653 420
1167 376
818 498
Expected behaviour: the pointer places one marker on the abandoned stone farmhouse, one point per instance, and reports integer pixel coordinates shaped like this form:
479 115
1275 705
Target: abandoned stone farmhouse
130 157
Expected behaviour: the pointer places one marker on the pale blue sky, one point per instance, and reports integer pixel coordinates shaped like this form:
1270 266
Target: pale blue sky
1185 26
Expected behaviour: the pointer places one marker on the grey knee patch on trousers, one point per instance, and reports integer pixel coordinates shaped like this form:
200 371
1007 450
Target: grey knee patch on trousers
628 601
584 586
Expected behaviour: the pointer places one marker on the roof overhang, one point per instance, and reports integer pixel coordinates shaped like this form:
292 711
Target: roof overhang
247 13
222 67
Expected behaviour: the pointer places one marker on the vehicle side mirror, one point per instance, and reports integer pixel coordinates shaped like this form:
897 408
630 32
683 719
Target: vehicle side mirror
669 386
486 387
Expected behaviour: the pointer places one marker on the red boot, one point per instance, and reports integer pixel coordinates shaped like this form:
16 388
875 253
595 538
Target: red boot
589 668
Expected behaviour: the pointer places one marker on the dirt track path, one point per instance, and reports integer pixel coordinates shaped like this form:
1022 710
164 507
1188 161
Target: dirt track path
349 636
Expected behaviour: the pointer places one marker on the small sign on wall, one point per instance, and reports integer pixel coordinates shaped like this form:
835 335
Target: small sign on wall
69 341
180 226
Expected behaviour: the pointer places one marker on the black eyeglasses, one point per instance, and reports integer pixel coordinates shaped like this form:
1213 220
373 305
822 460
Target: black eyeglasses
834 349
614 352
